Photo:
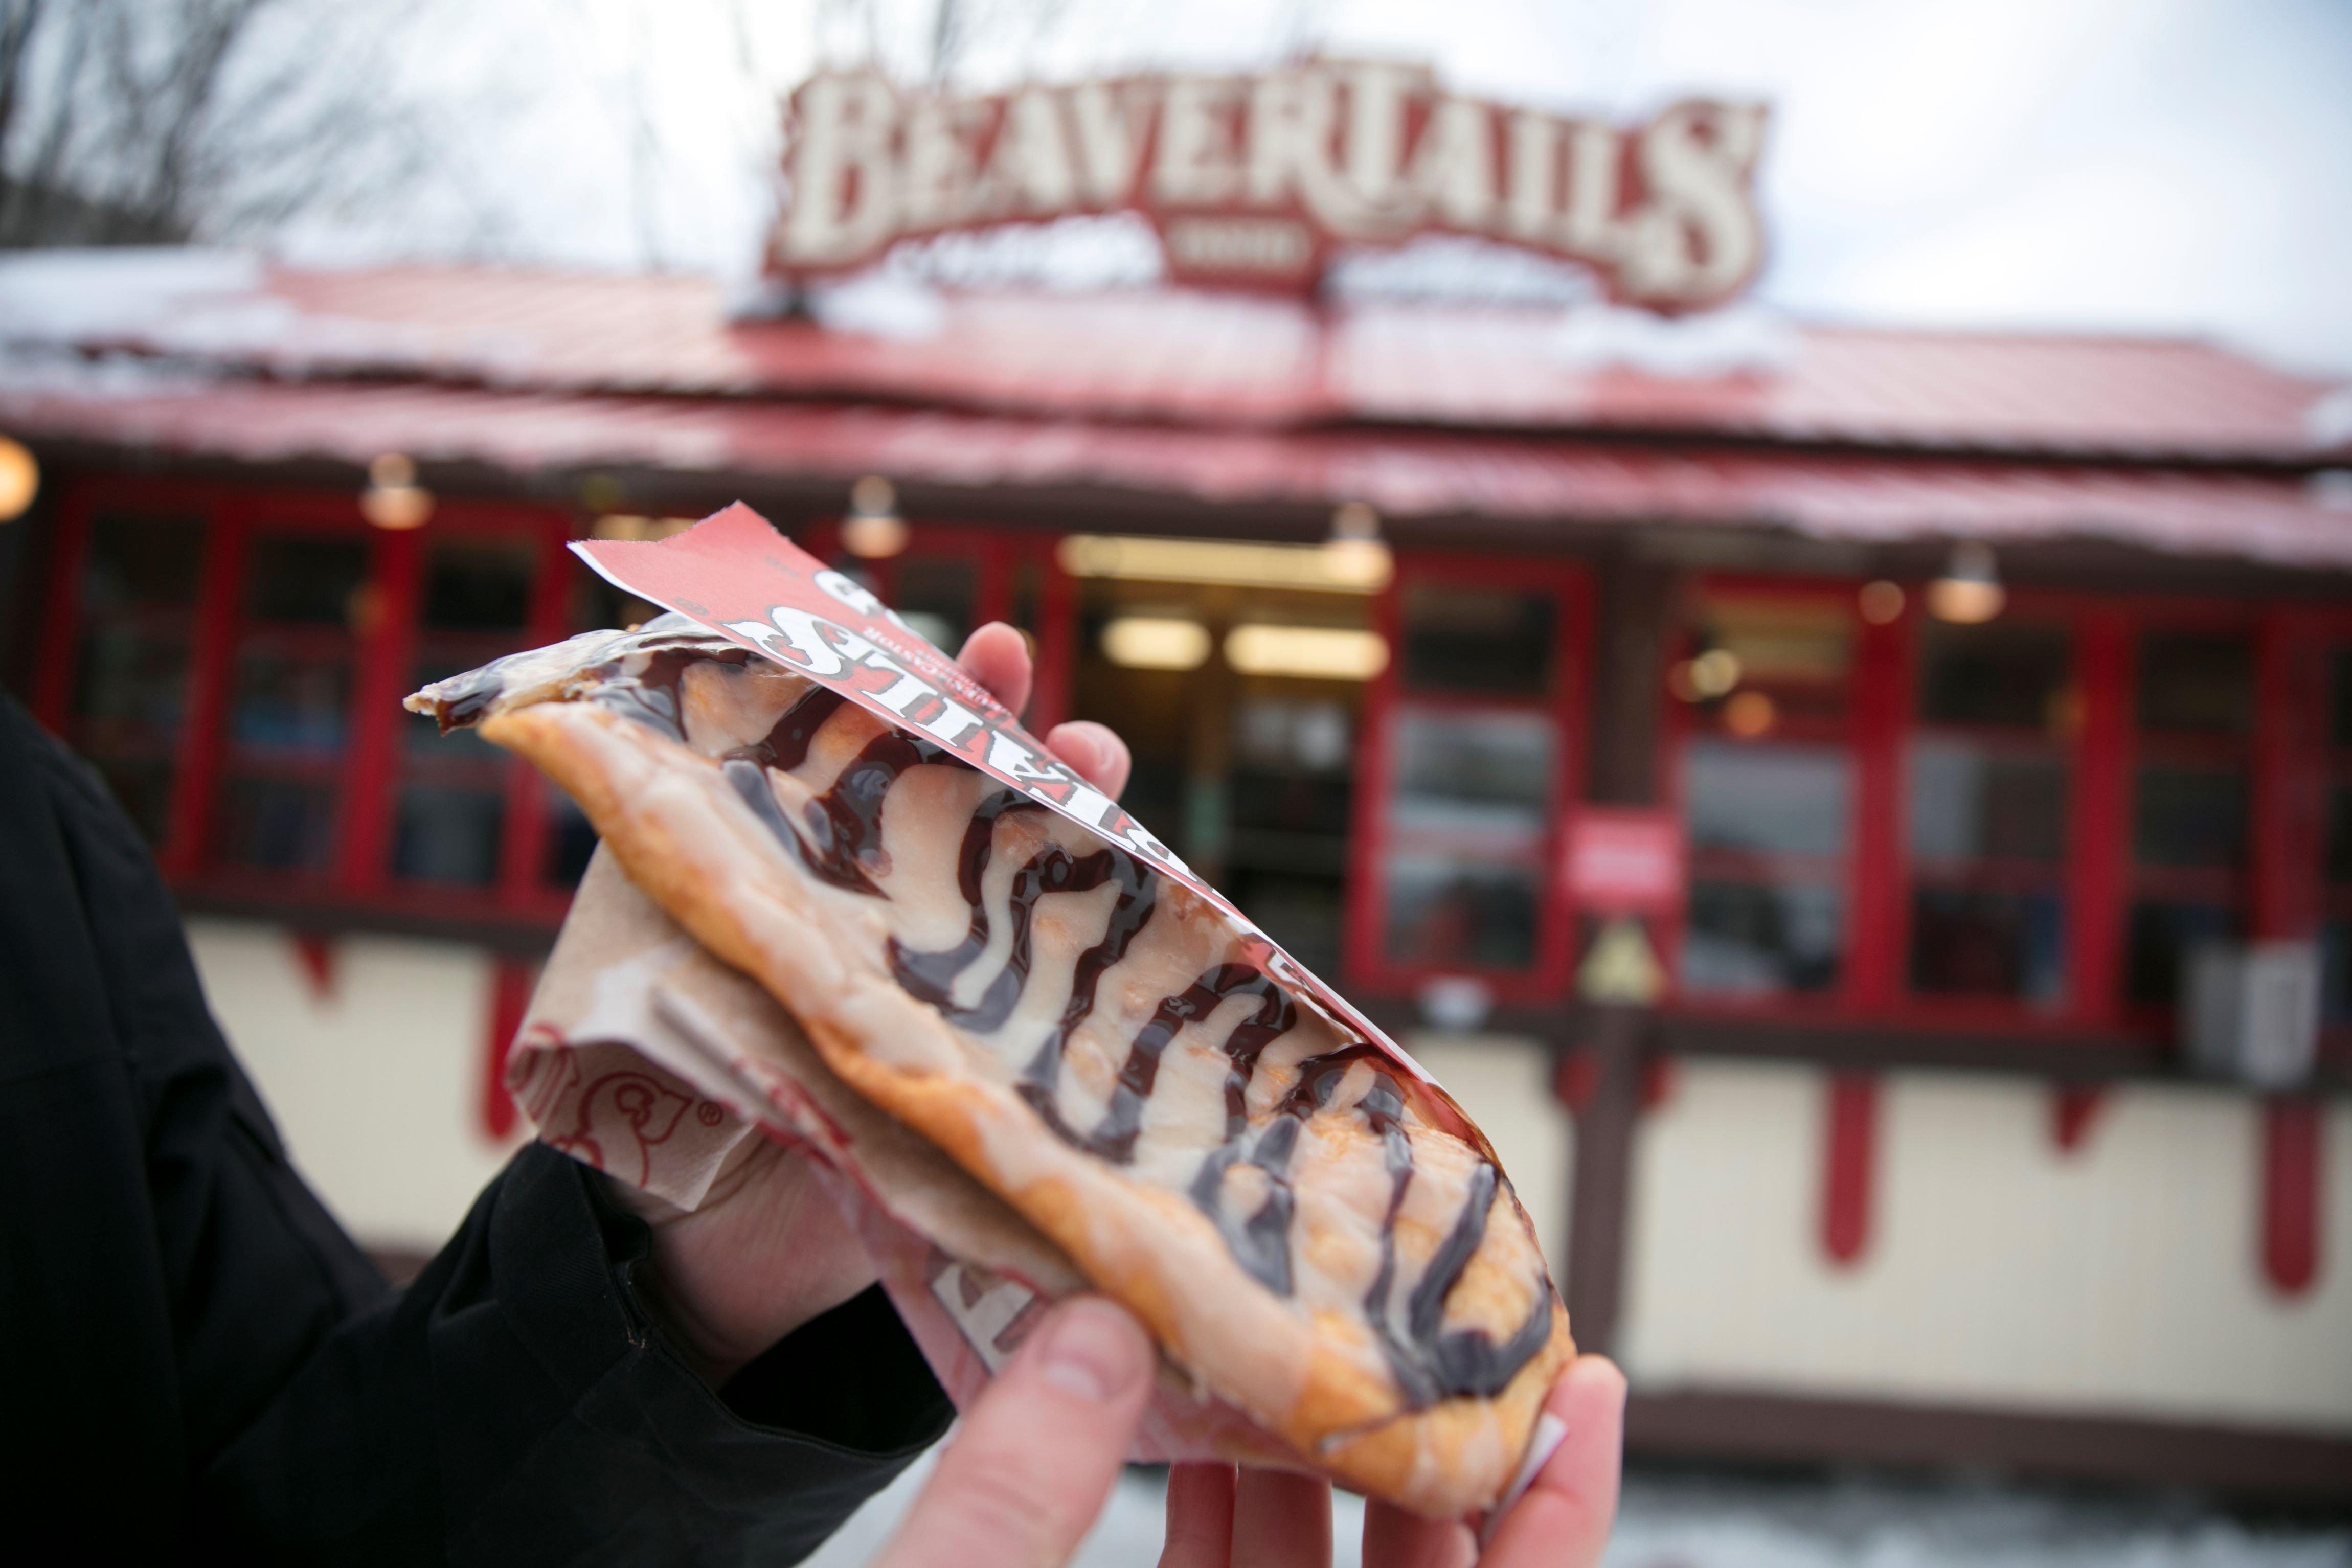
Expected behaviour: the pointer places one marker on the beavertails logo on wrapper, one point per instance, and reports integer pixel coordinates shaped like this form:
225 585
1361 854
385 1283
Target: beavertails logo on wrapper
734 573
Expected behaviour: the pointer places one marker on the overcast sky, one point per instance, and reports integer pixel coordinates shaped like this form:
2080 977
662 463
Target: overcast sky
2178 166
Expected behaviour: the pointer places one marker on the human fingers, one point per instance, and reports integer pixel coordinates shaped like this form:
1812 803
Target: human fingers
997 656
1395 1539
1563 1521
1281 1521
1038 1452
1095 750
1200 1517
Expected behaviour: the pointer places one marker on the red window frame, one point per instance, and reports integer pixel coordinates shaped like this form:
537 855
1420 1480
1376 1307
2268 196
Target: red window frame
2285 773
1365 900
233 515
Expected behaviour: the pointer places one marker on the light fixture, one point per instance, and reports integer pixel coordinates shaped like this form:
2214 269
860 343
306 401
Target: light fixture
1751 714
874 530
20 479
1306 652
1156 642
1354 555
393 499
629 527
1715 673
1227 562
1970 592
1881 602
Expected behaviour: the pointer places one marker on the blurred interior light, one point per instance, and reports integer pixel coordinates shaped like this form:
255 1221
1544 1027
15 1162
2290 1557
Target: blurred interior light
1354 554
874 530
1749 715
1970 592
1308 653
1156 642
1310 567
1715 673
20 479
393 499
630 526
1882 602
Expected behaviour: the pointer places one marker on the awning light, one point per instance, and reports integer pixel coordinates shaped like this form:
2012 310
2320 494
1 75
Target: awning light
20 479
393 499
1970 592
1217 561
1306 652
873 530
1354 554
1156 642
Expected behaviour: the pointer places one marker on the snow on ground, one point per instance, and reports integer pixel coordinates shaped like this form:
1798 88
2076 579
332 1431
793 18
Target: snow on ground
1684 1520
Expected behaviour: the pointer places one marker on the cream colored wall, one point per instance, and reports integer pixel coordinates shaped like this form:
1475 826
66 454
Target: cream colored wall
1505 1085
374 1083
2124 1277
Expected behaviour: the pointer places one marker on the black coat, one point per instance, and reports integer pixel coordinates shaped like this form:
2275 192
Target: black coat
197 1364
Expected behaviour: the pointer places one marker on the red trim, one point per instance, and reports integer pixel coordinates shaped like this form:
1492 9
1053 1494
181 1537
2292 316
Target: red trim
512 980
1849 1154
1877 886
2099 826
1057 640
61 629
317 953
2294 1140
385 653
2073 1108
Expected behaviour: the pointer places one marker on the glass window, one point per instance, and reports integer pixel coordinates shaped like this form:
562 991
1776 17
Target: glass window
1497 642
276 803
1449 912
2196 683
131 667
1768 783
449 814
1988 785
935 595
2195 710
1487 775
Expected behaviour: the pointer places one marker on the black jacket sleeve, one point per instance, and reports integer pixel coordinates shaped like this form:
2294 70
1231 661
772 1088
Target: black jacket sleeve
200 1366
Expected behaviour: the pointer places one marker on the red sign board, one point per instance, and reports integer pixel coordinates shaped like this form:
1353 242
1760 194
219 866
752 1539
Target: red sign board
1625 861
1252 181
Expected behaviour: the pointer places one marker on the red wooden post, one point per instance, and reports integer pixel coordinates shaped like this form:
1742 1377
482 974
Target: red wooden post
1849 1157
512 980
382 660
2100 827
2294 1134
2073 1108
1877 901
1057 637
211 668
61 627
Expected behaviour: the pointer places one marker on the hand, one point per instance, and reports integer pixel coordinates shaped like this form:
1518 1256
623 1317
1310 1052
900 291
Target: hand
1263 1519
1039 1452
767 1249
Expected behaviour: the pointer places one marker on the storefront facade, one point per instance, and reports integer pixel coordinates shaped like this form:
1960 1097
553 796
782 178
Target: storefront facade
1875 1138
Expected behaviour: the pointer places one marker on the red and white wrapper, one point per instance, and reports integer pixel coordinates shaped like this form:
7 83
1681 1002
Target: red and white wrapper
645 1057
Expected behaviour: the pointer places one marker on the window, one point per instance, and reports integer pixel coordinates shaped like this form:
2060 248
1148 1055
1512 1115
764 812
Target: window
1768 792
450 813
130 690
1996 713
2193 718
1474 763
277 804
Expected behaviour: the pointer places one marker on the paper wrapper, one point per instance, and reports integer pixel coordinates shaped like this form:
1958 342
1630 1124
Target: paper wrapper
645 1057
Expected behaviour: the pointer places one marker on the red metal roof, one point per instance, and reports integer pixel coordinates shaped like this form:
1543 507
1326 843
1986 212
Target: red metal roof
1860 498
1205 360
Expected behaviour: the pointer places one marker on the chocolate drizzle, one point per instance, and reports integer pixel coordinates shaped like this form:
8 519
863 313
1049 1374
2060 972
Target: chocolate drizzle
838 840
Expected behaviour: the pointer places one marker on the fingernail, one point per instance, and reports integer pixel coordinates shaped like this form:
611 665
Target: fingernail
1092 1350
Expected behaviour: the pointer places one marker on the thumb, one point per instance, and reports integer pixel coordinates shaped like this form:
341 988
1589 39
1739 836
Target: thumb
1037 1453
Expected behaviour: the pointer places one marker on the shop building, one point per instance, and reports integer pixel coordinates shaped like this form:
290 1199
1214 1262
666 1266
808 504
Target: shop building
1817 957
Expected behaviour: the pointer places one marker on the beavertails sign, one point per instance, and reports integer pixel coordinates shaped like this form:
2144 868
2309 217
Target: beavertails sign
1252 180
